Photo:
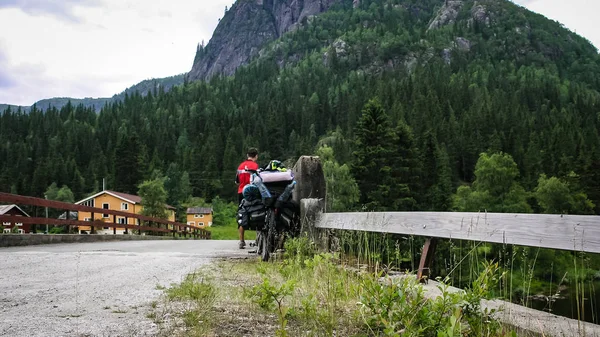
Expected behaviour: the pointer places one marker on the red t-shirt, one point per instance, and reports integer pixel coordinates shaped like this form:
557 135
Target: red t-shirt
244 176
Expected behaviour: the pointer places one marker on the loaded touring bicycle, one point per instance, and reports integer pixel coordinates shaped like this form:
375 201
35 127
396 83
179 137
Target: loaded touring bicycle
268 208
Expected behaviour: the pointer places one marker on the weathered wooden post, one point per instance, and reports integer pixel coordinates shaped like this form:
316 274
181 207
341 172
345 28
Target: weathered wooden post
92 224
426 259
309 194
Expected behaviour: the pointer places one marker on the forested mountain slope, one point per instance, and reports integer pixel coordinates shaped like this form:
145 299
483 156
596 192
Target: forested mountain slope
465 76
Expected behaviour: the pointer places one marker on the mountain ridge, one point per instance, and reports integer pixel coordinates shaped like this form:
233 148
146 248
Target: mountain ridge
143 88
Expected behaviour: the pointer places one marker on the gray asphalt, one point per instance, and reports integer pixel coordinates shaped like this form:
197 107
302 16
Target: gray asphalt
95 289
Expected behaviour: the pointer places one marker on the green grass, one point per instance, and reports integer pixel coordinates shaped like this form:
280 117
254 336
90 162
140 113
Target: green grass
309 294
192 301
229 233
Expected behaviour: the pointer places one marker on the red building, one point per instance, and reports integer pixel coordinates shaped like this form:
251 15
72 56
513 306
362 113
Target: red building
16 211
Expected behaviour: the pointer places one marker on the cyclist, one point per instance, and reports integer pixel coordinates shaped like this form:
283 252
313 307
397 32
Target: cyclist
242 179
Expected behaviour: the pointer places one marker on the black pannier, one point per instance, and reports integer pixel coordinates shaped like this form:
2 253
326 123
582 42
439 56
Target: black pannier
251 214
289 216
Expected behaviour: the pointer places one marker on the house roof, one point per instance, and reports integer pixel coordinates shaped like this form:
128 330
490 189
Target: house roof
199 210
5 208
72 215
134 199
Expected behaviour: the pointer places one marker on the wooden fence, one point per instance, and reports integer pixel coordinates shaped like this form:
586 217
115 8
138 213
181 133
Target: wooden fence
155 226
565 232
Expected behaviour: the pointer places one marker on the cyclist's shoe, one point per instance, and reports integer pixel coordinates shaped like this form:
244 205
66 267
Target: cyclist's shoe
242 244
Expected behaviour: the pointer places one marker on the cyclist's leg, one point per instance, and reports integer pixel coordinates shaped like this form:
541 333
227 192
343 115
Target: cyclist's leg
242 243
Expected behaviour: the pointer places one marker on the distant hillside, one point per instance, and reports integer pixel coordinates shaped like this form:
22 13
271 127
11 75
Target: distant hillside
146 86
143 88
4 106
59 102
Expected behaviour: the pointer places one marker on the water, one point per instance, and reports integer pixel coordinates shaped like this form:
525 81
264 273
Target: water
567 305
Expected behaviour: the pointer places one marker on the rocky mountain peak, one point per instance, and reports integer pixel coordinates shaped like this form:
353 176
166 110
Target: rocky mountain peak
247 27
448 13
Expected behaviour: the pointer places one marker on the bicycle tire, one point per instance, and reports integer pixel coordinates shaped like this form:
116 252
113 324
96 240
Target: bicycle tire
269 236
259 242
264 247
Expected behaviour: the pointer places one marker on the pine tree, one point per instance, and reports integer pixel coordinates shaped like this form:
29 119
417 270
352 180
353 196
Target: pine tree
405 170
127 169
372 167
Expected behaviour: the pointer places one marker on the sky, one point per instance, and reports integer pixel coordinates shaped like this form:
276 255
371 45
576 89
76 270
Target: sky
98 48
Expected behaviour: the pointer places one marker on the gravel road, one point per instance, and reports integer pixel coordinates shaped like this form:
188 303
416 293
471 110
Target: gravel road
94 289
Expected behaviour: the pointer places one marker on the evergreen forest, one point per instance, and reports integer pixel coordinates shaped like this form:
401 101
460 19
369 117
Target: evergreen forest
506 81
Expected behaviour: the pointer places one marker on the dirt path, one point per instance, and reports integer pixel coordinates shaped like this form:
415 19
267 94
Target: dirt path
97 289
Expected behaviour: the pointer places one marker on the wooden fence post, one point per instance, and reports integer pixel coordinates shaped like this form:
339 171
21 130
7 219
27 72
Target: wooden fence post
310 194
310 179
426 259
92 223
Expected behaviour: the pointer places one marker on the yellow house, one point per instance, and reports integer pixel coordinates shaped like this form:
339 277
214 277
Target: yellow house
115 201
199 217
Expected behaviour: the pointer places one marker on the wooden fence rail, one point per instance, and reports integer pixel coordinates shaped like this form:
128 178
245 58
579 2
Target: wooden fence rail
160 225
565 232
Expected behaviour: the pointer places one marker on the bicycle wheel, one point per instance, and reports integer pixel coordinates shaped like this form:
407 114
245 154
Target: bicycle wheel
259 242
266 245
268 236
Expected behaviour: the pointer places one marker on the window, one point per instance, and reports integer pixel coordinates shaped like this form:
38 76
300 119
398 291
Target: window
105 206
87 219
121 221
21 231
198 216
6 224
201 224
6 230
191 223
89 203
19 225
124 206
106 228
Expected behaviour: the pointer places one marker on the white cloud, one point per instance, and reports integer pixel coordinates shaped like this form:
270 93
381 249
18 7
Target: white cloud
112 45
61 9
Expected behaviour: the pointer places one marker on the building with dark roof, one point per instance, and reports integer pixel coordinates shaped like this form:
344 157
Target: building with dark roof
200 217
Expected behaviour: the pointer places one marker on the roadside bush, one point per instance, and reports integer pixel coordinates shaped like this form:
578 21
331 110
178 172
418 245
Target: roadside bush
393 307
57 230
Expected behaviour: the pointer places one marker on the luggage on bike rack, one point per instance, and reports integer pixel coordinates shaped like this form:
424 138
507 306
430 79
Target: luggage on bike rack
251 214
289 216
